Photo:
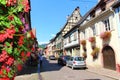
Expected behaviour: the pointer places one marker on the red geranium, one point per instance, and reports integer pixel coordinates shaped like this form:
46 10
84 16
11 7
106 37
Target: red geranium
26 5
10 61
91 39
13 41
21 41
11 2
105 35
19 67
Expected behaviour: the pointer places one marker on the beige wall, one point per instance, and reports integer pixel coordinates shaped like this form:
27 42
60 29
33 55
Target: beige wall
113 43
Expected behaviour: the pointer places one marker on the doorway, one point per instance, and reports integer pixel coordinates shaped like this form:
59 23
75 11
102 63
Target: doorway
109 58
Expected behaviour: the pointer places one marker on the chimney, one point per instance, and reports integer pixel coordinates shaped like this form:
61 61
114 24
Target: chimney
68 17
77 8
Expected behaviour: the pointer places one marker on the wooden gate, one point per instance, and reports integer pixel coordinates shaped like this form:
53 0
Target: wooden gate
109 58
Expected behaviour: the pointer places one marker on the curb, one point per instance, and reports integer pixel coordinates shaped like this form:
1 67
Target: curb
103 75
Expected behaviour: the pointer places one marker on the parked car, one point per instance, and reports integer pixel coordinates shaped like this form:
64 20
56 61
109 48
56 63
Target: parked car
52 57
62 59
76 62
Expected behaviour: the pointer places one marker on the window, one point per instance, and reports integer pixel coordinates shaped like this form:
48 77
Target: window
75 35
69 40
94 30
72 37
107 25
82 35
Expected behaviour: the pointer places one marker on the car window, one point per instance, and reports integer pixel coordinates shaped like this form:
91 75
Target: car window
67 57
71 58
79 59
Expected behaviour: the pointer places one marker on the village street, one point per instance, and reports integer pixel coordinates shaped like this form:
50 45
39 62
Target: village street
50 70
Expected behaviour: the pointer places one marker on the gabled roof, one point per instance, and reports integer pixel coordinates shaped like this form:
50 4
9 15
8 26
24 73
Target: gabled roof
81 20
116 4
69 18
85 16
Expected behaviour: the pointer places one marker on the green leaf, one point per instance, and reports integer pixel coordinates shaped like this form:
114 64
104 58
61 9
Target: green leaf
17 20
9 50
20 8
4 72
10 75
16 29
8 47
7 43
3 2
16 52
24 48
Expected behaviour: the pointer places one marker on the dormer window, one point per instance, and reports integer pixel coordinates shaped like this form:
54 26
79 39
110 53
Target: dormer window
103 6
92 14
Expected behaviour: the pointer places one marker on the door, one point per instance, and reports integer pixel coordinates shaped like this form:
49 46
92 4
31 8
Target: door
109 58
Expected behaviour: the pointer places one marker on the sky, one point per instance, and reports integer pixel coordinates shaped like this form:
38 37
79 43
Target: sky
48 17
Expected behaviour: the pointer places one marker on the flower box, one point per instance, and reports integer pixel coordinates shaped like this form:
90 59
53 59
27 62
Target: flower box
95 51
83 42
105 35
92 39
84 55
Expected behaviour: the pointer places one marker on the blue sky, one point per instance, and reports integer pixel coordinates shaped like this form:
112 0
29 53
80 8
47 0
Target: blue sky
49 16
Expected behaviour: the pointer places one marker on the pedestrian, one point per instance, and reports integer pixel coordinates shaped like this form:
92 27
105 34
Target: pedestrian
40 59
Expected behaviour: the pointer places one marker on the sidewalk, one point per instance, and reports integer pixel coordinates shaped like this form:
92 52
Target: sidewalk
29 73
106 72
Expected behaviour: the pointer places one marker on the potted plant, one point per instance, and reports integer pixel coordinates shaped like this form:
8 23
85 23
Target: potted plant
84 54
95 52
92 39
105 35
83 42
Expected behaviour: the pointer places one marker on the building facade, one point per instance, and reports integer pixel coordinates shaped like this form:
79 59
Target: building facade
99 36
70 34
95 36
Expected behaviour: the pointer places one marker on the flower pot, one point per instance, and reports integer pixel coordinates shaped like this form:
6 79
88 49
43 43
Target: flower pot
91 39
105 35
83 42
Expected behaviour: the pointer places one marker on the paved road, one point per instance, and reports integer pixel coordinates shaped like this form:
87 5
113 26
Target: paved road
52 71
